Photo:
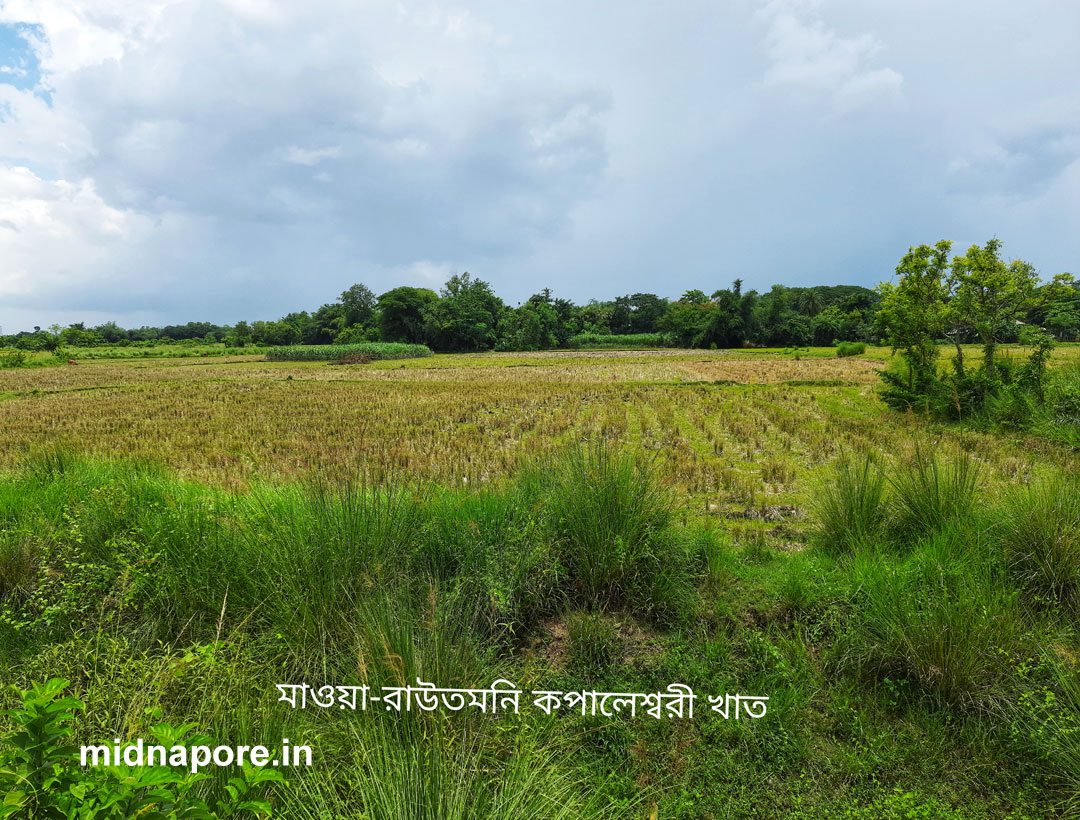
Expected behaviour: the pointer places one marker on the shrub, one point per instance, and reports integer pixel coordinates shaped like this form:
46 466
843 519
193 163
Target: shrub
929 492
43 776
610 521
845 349
850 507
12 359
328 353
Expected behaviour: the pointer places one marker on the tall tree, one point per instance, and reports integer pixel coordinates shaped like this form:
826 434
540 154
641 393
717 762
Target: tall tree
402 313
992 295
466 316
359 304
912 309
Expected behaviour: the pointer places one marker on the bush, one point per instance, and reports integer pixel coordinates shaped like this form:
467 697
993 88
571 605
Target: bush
610 522
850 507
12 359
929 492
329 353
44 779
1039 534
845 349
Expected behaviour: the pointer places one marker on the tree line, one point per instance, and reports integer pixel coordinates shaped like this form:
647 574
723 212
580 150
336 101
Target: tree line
467 315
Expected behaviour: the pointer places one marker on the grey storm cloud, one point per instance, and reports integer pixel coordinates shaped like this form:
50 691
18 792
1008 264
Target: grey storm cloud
226 159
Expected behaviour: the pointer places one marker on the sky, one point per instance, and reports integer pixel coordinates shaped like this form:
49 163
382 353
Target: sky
215 160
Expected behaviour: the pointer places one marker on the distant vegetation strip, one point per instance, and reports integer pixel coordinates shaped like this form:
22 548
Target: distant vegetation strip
620 340
329 353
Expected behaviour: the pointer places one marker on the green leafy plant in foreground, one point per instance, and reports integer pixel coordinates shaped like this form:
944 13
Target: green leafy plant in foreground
42 778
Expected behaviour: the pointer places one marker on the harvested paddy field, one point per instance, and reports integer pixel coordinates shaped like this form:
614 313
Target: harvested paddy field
739 428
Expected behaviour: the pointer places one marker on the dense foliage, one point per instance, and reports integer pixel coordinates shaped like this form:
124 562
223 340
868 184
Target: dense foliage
467 316
43 778
978 297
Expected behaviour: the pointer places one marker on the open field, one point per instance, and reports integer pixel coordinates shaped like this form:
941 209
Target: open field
728 426
179 535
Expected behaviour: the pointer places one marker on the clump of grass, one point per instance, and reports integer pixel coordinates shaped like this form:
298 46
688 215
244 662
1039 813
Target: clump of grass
850 507
846 349
1039 534
947 627
929 491
486 548
445 775
610 521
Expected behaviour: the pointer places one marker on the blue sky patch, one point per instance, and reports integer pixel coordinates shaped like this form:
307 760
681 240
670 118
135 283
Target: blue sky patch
18 62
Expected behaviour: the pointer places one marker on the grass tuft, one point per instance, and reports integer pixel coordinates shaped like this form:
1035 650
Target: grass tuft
1039 533
930 491
850 507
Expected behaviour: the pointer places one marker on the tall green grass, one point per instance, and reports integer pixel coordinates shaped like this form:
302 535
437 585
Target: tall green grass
152 593
846 349
327 353
1039 534
611 341
610 521
850 505
941 621
929 491
148 592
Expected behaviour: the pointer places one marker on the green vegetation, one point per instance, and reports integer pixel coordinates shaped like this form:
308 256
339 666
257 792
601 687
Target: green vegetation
845 349
177 536
973 298
617 341
368 351
43 778
980 296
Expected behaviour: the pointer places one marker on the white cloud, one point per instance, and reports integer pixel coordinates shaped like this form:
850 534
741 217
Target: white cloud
211 113
46 227
815 62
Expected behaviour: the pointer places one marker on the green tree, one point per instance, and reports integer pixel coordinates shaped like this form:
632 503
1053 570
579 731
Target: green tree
466 317
646 310
1060 302
912 311
992 295
242 332
359 305
402 313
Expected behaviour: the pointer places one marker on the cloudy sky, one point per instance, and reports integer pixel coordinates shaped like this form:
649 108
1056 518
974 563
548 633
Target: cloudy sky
167 160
